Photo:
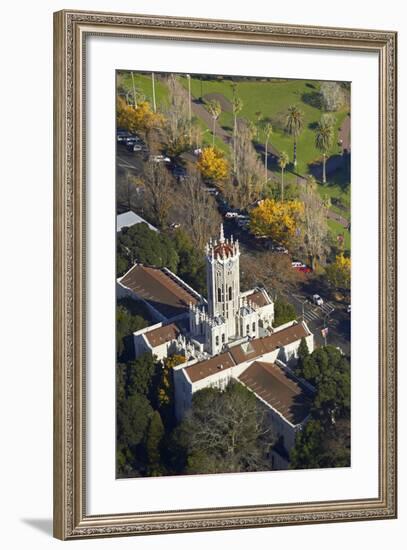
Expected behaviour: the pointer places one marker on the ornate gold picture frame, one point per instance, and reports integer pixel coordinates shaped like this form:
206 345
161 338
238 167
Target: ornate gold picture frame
71 29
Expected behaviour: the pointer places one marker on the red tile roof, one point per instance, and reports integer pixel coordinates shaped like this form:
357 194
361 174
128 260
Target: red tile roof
162 335
278 389
259 298
159 289
202 370
261 346
246 352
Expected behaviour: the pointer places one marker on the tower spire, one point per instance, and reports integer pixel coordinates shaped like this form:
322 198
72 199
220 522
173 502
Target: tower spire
222 236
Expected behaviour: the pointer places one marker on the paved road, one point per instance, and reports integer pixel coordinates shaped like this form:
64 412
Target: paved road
344 134
318 317
200 111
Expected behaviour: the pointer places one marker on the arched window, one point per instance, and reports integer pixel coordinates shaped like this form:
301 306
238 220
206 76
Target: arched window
230 293
219 295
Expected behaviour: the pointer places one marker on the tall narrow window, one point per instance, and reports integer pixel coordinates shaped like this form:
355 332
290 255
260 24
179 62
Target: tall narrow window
254 327
247 329
230 293
217 340
219 295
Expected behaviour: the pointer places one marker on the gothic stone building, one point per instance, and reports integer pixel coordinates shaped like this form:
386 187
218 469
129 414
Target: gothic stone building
228 336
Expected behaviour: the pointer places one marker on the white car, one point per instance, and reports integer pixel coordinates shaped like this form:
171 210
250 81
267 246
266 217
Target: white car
316 298
231 215
348 309
297 264
160 158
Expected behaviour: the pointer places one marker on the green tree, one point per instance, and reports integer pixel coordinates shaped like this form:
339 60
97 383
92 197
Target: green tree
237 106
126 324
338 272
140 375
133 416
317 446
325 440
323 142
191 265
282 163
329 372
155 434
303 352
294 126
268 130
143 245
283 312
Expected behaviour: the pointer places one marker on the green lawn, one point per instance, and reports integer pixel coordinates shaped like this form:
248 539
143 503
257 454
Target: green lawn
337 229
271 98
144 87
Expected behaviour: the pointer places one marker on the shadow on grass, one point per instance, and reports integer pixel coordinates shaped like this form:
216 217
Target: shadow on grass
337 170
312 98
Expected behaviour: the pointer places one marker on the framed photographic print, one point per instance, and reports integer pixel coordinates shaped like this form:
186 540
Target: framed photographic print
225 274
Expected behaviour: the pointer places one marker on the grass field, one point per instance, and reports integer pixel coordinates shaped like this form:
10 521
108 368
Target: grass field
270 100
337 229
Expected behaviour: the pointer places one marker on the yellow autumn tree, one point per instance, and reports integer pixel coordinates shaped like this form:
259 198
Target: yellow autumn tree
137 119
276 219
213 165
338 273
165 389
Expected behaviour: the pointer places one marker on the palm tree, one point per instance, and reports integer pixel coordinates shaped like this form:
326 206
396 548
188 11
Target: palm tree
215 110
259 116
134 90
282 163
268 130
323 142
237 106
153 86
294 125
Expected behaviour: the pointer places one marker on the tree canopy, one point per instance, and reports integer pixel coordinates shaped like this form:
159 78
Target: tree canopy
325 440
136 119
213 165
283 312
225 431
139 243
338 272
278 220
126 324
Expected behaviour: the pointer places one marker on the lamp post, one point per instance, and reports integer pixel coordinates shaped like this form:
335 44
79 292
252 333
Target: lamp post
153 85
189 106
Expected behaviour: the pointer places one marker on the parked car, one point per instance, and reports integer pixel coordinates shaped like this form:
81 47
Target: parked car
175 225
160 158
124 137
231 214
279 249
134 147
316 299
297 264
348 309
132 139
179 172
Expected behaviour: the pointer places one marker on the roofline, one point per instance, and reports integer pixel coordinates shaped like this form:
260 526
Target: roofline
270 406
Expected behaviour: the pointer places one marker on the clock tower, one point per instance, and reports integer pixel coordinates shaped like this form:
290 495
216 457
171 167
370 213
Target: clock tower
223 281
